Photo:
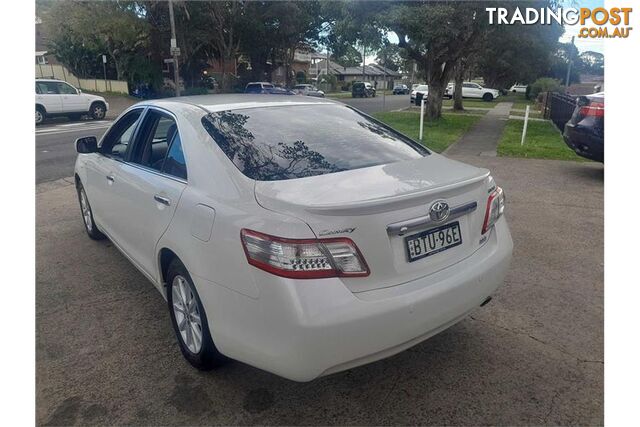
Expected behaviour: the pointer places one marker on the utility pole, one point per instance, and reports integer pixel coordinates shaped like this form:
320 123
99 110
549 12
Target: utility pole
569 65
175 51
363 50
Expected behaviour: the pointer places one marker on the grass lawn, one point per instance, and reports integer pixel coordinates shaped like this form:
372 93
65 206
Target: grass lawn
470 102
532 113
437 135
338 95
543 141
342 95
519 100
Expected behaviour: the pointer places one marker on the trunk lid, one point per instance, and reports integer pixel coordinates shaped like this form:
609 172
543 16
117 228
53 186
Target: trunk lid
361 204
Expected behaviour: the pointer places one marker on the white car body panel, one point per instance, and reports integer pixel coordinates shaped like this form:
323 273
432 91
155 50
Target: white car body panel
301 329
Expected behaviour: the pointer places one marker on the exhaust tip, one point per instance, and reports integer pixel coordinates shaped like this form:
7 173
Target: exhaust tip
486 301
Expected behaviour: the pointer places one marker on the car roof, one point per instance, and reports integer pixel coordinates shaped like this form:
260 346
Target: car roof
260 83
213 103
50 80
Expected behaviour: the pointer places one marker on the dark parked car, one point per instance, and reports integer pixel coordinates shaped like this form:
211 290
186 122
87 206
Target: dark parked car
401 90
584 132
362 90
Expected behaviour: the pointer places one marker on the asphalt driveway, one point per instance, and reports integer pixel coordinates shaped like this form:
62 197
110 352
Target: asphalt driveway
106 353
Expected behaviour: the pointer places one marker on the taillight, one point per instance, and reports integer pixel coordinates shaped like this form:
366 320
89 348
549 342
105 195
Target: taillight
595 109
303 258
495 209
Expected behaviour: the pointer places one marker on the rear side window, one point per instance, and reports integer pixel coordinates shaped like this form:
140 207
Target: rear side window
175 164
279 143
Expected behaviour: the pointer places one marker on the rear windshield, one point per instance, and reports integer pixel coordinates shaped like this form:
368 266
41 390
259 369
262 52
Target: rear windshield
288 142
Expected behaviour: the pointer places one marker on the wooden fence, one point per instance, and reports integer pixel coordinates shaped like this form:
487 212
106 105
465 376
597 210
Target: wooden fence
60 72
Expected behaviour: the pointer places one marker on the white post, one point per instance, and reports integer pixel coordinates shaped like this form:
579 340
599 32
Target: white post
421 117
524 128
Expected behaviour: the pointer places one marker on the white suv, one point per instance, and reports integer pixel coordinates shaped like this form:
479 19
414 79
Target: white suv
59 98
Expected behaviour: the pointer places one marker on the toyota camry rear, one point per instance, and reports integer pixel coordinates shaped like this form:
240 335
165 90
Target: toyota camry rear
304 237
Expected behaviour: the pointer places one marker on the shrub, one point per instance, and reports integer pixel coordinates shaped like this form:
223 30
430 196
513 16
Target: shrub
543 84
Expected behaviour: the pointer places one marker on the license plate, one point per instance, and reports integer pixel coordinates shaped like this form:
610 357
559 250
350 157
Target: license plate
432 241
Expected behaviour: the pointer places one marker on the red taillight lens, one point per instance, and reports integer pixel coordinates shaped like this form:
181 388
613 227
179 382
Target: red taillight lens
303 258
495 209
595 109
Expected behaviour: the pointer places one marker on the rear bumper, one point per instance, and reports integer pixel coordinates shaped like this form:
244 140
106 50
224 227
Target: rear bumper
584 142
305 329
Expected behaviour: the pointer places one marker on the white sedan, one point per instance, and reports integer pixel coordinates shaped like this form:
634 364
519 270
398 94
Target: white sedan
473 90
299 249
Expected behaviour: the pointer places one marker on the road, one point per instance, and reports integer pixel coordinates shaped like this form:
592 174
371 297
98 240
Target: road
106 353
55 153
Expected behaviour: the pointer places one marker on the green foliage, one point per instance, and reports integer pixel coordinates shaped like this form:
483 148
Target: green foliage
81 29
349 57
516 53
543 84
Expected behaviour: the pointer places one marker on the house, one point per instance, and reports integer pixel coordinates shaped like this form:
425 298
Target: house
375 73
43 57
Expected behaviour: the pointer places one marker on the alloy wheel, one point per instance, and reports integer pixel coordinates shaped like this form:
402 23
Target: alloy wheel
86 210
187 315
98 112
39 117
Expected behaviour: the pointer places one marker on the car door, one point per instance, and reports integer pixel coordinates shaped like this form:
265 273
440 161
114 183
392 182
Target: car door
48 96
72 101
151 182
103 184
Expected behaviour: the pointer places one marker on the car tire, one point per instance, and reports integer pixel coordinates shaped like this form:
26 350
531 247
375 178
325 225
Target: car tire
185 308
487 97
40 115
98 111
87 215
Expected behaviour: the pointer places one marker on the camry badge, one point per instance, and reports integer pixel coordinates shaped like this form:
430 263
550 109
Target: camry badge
439 211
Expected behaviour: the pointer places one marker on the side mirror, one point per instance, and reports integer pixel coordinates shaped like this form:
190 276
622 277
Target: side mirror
87 144
79 91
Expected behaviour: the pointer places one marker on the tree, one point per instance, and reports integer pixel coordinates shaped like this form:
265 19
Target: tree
516 53
348 57
436 34
564 53
592 62
113 28
392 57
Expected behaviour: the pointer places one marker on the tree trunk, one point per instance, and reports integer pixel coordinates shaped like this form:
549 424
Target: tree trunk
457 93
437 79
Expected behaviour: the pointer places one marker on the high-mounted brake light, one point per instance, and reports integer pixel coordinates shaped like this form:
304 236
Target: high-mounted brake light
594 109
303 258
495 209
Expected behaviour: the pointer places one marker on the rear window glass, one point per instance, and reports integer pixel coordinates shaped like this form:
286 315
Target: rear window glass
279 143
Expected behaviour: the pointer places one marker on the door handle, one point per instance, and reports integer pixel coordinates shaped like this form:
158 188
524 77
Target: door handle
162 200
110 178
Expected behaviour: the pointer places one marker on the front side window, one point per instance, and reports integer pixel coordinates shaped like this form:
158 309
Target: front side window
66 89
156 133
116 142
280 143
